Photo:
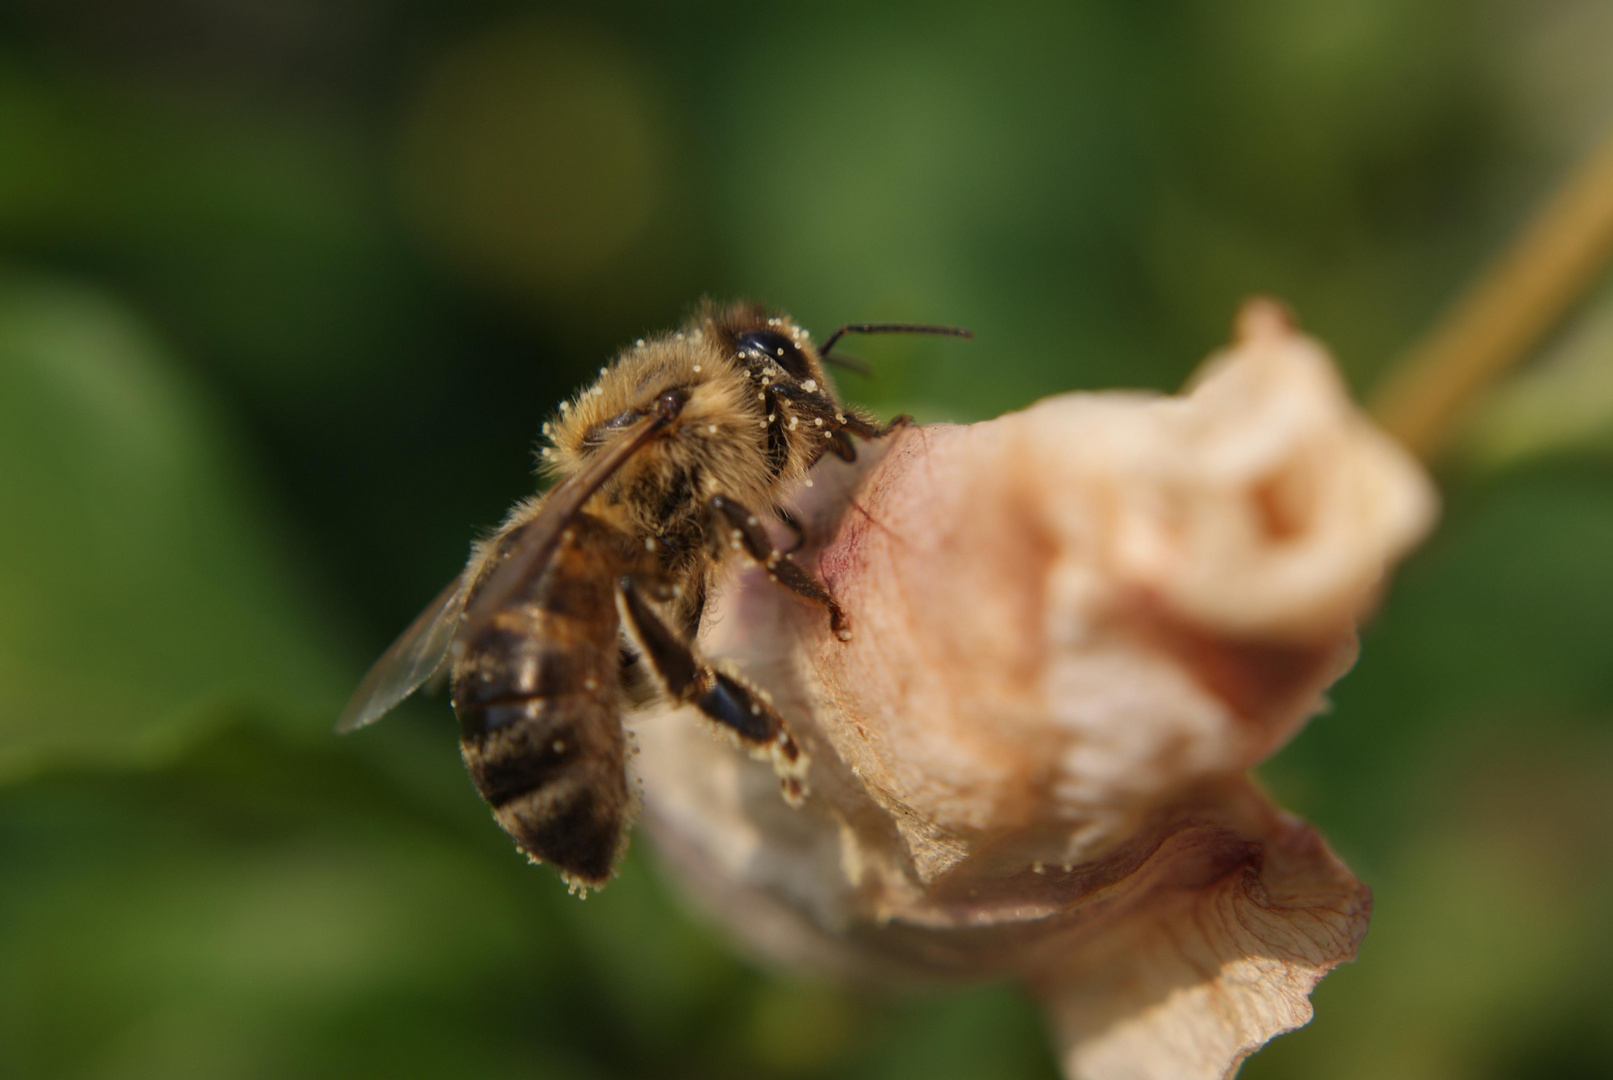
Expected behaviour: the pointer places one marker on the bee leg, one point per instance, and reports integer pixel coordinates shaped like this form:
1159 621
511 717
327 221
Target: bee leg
745 530
842 446
724 698
794 526
864 430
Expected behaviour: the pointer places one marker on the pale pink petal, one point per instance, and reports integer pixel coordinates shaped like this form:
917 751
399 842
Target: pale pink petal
1075 628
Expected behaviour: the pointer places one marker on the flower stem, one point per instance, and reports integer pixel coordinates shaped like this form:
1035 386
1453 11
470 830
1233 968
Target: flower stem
1505 314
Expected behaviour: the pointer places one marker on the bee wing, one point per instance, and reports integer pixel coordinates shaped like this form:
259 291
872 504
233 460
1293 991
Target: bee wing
424 647
412 660
541 538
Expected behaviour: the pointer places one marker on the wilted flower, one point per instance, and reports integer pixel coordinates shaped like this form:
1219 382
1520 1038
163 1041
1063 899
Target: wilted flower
1075 629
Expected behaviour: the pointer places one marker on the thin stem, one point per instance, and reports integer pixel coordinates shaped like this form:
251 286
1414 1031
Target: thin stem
1505 314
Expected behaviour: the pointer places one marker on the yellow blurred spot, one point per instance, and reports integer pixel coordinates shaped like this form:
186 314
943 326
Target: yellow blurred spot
534 157
798 1027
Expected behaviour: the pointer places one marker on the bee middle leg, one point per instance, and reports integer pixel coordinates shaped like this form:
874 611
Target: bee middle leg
745 530
722 697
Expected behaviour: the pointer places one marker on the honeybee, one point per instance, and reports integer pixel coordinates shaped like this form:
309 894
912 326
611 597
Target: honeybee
672 461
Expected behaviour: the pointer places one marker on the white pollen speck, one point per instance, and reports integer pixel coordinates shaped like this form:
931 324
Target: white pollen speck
558 746
761 397
590 684
772 322
756 710
809 481
677 590
697 367
678 337
810 385
772 417
711 429
649 543
840 418
565 407
751 520
639 344
781 352
793 421
547 427
817 421
603 370
843 635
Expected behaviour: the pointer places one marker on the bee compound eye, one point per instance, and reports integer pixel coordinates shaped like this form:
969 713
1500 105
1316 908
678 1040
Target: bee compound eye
777 348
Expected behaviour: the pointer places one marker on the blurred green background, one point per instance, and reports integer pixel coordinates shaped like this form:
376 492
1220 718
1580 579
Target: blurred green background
286 287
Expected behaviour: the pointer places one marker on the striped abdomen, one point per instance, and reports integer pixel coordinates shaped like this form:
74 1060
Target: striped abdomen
537 694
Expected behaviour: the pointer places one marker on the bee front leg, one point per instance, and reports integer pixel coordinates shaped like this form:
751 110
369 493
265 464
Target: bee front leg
740 709
864 430
796 529
745 531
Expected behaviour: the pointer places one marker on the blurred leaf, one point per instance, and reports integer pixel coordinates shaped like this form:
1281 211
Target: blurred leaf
265 897
138 577
261 233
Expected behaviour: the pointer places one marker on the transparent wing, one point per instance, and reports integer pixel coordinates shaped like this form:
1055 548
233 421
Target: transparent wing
416 656
412 660
540 539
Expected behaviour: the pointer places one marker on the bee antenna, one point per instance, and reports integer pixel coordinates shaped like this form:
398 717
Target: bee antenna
888 328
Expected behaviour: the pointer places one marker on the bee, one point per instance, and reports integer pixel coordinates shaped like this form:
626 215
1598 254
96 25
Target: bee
672 462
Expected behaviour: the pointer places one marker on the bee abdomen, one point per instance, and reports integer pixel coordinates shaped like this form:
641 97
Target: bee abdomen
578 827
538 697
516 747
553 770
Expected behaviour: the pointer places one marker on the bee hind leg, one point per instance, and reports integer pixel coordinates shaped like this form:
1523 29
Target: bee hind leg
745 531
728 701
